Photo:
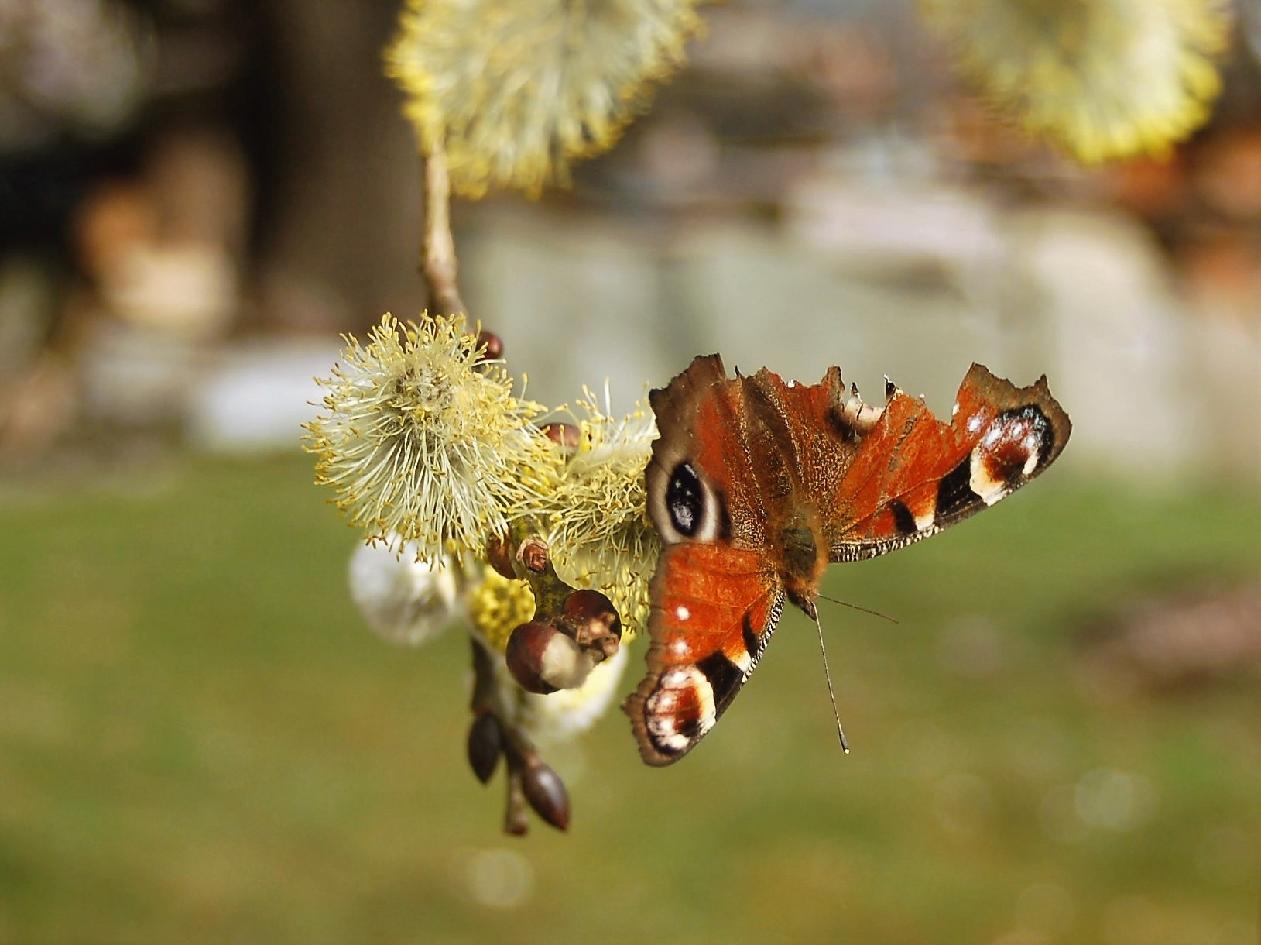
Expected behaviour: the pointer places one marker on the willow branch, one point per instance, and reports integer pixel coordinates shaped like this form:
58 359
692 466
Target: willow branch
437 256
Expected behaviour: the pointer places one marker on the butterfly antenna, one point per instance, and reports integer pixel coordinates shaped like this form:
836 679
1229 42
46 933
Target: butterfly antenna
827 674
874 613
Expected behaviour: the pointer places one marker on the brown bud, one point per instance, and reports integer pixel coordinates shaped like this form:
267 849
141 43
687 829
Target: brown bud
533 554
566 435
485 745
499 556
491 345
547 795
542 659
594 621
524 655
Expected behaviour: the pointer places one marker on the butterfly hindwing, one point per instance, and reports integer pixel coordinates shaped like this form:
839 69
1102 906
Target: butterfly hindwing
714 610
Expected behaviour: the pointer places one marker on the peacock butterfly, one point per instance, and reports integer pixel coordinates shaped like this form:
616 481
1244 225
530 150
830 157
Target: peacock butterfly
757 484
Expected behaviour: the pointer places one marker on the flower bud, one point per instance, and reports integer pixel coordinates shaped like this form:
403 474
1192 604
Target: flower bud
403 600
547 795
565 435
485 745
594 621
499 556
491 345
542 659
533 554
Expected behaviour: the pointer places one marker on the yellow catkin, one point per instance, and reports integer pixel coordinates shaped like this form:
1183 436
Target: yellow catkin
515 90
1103 79
422 441
599 533
497 605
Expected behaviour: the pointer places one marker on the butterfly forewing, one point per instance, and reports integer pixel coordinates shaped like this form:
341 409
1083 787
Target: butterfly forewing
913 475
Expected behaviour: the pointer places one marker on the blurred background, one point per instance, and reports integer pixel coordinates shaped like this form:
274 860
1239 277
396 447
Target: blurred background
1058 742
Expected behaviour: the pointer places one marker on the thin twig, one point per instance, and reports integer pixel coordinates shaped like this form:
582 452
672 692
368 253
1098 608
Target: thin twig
437 257
515 822
517 747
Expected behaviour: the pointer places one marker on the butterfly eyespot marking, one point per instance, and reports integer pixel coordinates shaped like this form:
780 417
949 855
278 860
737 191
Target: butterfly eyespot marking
685 507
680 710
1016 443
684 500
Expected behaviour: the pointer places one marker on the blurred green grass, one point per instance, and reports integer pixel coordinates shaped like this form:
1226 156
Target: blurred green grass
200 742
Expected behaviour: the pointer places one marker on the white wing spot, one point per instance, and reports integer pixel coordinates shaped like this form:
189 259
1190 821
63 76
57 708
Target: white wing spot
989 489
674 679
682 613
1030 444
662 726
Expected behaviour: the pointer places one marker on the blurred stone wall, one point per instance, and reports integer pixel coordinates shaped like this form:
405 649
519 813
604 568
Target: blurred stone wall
1155 388
813 189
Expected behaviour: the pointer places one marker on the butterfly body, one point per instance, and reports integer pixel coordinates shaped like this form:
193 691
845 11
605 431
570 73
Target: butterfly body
756 484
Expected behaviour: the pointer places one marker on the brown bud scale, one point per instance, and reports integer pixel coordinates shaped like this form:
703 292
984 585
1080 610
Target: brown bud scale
547 795
524 654
593 621
499 556
491 345
485 745
565 435
533 554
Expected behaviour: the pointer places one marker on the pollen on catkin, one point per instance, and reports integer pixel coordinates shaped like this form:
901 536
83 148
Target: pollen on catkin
497 605
423 441
599 533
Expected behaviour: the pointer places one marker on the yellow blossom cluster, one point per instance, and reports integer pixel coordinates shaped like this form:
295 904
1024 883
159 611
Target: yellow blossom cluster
423 440
497 605
598 528
427 447
515 90
1103 79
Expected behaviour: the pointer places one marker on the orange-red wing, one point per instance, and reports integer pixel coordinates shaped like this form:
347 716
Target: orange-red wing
753 478
913 475
714 610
